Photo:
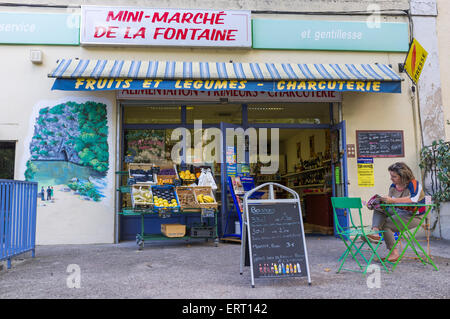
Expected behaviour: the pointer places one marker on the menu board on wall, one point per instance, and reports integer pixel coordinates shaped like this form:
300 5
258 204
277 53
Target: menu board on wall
380 143
276 237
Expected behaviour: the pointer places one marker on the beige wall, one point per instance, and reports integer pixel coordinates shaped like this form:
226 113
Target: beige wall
71 220
26 89
380 112
443 27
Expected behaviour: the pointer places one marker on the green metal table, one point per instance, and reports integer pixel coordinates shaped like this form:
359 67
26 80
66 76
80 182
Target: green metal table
407 233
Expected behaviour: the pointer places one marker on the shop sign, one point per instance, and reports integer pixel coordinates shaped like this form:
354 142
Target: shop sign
105 25
89 84
330 35
415 61
39 28
231 96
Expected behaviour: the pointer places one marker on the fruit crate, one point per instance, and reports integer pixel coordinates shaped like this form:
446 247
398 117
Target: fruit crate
167 175
165 192
141 197
142 173
205 190
187 177
186 197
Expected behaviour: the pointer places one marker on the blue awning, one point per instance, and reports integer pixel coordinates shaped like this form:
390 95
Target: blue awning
92 75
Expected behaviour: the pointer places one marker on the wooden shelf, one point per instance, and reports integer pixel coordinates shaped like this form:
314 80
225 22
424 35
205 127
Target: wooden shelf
306 186
305 171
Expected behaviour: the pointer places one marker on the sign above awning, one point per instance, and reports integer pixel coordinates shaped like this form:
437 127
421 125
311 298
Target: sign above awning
95 75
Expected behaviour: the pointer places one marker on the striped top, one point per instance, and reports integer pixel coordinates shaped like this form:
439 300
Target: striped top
74 68
414 191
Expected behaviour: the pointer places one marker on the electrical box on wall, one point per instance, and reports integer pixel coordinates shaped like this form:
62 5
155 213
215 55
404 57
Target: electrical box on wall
36 56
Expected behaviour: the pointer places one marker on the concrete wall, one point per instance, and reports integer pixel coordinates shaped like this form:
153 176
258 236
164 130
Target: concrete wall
429 99
443 26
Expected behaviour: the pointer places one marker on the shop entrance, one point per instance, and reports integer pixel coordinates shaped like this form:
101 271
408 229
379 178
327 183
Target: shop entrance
311 157
7 159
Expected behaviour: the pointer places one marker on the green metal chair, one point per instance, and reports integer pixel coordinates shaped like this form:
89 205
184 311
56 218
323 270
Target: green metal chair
350 234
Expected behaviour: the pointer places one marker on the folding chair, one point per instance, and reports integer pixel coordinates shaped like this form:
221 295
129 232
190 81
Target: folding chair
350 234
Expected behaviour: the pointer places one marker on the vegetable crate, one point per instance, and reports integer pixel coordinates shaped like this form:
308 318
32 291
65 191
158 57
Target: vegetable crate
205 197
141 197
165 199
186 197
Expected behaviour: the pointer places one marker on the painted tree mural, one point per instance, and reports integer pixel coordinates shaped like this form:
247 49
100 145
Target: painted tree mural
76 133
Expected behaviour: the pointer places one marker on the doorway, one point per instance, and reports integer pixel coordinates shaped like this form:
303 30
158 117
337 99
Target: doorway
308 141
7 159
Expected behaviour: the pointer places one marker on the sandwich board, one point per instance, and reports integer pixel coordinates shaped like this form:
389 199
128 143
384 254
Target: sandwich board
275 234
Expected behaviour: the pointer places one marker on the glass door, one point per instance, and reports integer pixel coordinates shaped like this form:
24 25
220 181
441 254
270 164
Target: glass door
339 168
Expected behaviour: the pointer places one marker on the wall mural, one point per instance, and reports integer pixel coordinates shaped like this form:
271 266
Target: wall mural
69 150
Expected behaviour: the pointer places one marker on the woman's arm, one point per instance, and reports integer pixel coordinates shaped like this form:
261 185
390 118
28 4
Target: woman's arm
402 200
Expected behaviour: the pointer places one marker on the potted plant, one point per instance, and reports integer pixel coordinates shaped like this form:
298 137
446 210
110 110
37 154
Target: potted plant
435 163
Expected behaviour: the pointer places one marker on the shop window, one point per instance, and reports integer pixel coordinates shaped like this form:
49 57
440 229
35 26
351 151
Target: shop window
152 114
214 113
149 146
7 158
292 113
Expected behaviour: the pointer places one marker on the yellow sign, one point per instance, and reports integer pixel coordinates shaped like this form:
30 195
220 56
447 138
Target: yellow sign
415 61
366 174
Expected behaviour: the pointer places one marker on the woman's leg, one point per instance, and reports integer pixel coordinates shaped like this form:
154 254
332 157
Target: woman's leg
390 228
378 219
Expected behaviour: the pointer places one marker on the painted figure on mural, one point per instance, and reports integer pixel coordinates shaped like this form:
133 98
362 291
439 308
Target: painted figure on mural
49 193
42 193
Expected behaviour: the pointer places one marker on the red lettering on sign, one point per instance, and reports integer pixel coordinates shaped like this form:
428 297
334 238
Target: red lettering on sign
99 32
111 16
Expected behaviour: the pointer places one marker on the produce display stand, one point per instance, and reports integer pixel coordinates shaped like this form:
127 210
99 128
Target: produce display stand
143 236
208 217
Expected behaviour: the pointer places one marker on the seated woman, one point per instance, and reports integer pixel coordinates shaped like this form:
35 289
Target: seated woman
405 189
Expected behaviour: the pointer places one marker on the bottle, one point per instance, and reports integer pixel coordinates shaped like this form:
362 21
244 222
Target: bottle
298 268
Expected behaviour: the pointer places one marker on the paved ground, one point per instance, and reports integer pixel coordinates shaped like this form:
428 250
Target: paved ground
201 270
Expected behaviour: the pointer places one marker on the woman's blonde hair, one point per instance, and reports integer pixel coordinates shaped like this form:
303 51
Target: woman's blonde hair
403 170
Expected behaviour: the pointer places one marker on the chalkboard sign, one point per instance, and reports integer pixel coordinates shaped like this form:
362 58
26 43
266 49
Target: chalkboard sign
380 144
276 240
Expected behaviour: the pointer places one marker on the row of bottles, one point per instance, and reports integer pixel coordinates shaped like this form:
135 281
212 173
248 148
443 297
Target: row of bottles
313 163
312 178
279 269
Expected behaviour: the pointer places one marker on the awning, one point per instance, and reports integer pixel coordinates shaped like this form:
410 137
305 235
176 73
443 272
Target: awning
91 75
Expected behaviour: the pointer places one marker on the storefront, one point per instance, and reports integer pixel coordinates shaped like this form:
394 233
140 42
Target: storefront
297 105
120 85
